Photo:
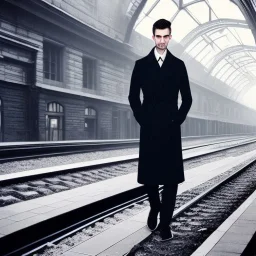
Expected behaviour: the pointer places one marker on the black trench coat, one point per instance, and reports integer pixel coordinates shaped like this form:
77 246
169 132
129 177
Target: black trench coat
160 150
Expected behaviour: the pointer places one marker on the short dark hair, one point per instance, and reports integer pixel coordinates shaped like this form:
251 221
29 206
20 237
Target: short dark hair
161 24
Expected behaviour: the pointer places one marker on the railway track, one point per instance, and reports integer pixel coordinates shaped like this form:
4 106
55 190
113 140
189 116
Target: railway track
196 216
15 152
78 228
22 188
31 151
196 220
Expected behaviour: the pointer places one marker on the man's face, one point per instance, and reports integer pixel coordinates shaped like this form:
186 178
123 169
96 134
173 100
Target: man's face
162 38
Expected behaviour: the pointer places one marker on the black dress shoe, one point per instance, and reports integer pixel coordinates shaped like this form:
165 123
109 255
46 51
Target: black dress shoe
166 234
152 219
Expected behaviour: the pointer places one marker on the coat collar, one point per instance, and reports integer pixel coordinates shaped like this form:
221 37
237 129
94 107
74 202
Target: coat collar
157 55
152 58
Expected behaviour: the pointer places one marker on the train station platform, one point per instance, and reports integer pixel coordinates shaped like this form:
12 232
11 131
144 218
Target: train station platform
187 138
121 237
233 235
26 167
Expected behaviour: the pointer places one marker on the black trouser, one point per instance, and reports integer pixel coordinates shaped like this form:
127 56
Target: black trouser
166 207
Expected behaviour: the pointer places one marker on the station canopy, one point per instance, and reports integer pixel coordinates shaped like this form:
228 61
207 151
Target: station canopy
214 33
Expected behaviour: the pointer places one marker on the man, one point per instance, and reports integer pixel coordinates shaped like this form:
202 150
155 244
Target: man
160 75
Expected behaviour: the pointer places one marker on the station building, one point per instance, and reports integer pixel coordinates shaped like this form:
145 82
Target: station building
65 66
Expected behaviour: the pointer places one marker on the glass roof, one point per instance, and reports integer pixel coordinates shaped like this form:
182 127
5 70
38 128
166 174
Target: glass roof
213 32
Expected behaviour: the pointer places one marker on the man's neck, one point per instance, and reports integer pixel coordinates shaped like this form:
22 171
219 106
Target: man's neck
160 51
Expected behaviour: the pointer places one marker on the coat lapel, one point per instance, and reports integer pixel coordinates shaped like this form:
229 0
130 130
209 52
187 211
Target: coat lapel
166 64
166 71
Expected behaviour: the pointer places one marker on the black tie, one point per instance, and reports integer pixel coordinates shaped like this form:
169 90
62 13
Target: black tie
160 59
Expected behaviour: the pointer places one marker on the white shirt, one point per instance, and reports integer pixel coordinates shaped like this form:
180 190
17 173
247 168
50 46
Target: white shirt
160 62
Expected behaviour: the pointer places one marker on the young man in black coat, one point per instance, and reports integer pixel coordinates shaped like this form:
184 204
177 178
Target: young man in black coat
161 76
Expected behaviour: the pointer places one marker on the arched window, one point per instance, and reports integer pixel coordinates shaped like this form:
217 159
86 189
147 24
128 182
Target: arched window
90 123
90 112
54 121
54 107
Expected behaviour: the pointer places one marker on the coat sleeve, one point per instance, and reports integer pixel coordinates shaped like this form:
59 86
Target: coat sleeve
185 95
134 93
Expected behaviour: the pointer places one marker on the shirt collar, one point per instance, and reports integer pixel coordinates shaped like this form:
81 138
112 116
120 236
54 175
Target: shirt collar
159 55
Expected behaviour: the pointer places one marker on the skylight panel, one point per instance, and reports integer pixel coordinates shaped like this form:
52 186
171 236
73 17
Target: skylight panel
245 35
200 11
182 25
226 9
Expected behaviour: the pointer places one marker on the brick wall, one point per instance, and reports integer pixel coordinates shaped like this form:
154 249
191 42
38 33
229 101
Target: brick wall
74 115
106 16
73 68
14 104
